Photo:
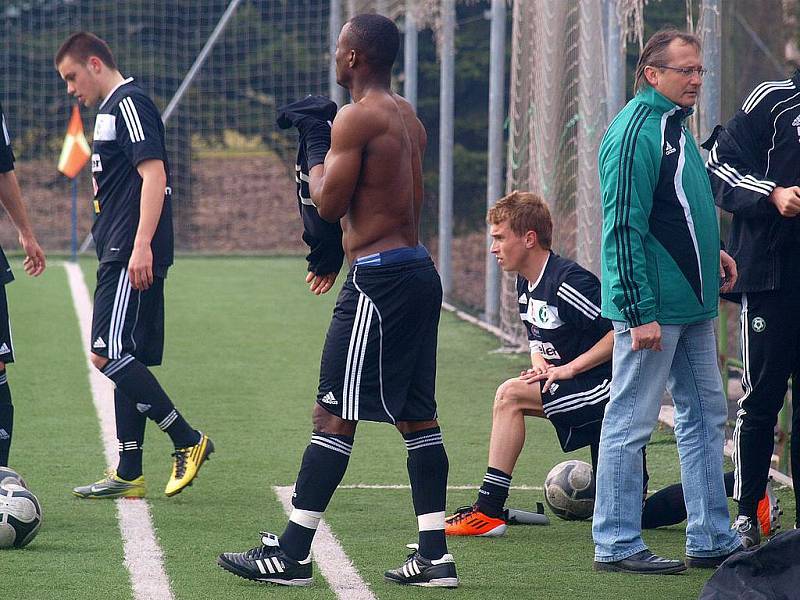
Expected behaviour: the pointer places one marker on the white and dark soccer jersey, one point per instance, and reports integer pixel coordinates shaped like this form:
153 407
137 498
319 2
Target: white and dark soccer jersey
128 130
561 313
6 164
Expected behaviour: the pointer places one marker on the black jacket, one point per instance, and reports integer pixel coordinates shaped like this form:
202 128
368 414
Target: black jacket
312 116
756 151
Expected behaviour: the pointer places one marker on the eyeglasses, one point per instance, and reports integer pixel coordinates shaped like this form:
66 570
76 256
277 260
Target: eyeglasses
685 71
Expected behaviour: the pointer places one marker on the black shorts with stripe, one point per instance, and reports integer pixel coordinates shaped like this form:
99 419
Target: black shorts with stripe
6 345
127 321
379 359
575 407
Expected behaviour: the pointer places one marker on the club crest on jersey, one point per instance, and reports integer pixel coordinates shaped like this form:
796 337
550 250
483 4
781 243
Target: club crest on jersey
758 324
541 314
97 165
105 128
796 123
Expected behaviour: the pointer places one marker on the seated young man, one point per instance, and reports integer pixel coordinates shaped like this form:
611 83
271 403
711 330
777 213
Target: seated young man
570 375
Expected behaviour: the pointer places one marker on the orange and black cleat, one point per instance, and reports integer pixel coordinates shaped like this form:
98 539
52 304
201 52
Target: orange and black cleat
469 520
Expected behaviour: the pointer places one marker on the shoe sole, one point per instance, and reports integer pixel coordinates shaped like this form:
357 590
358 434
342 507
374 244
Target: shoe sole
610 568
444 582
206 456
108 496
235 570
701 563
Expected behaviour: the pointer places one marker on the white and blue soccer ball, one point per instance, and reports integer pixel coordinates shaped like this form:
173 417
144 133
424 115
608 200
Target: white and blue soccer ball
569 490
20 516
9 475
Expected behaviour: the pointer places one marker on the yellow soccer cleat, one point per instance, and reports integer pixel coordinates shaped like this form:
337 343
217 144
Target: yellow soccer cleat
186 463
112 487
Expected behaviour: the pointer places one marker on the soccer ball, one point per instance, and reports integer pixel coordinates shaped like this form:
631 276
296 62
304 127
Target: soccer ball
20 516
9 475
569 490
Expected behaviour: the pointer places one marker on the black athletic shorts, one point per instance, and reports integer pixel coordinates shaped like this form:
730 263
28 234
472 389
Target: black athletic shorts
127 321
379 359
6 347
575 407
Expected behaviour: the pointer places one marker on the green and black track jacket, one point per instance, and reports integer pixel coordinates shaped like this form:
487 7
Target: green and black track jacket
660 246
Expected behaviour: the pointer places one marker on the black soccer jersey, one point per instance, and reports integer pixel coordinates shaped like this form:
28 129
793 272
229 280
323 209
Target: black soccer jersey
6 165
561 313
6 154
128 130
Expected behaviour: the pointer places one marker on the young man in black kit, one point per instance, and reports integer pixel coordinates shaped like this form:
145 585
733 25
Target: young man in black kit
133 235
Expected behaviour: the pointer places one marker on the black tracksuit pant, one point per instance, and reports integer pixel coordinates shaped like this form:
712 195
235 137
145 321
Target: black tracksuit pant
770 336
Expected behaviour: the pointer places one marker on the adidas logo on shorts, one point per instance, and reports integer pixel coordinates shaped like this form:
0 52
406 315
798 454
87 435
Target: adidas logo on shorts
99 343
4 349
668 149
329 398
796 122
4 435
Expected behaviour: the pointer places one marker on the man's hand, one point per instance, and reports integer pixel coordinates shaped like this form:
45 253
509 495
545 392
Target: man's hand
566 371
727 272
140 267
34 263
646 337
786 200
320 283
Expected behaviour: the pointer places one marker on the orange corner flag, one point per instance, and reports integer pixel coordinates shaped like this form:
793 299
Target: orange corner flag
76 151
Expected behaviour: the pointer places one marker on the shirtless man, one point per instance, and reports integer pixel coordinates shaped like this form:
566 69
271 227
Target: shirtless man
379 359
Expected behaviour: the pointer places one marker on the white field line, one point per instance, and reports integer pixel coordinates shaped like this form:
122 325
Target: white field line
389 486
143 557
330 557
667 417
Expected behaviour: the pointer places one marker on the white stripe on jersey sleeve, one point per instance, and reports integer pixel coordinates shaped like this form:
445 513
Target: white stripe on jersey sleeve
569 294
5 132
133 131
135 116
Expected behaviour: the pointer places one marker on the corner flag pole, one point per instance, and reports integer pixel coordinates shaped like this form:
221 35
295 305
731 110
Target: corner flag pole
74 244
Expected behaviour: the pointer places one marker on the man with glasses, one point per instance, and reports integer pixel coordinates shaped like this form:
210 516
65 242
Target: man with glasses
755 168
661 270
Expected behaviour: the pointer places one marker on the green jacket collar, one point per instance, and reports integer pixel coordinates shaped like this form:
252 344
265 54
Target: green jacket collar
660 103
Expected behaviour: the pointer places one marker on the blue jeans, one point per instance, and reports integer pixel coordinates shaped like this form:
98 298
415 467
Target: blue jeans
688 366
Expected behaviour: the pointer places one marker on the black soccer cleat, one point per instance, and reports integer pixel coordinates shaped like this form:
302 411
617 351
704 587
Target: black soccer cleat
424 572
267 563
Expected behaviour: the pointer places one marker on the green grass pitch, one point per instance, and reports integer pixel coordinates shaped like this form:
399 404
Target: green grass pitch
242 359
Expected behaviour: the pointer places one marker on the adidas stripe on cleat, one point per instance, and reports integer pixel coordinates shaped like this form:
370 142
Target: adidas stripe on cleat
424 572
267 563
112 487
186 464
769 512
468 520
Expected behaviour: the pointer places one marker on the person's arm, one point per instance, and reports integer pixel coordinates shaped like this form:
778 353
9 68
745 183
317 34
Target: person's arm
628 175
333 182
11 198
154 182
738 186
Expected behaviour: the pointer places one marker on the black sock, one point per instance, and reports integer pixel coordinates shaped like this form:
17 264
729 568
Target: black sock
667 506
324 464
494 492
130 436
427 472
6 419
138 383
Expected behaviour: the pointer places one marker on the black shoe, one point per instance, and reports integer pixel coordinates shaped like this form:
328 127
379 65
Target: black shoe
267 564
642 563
709 562
749 531
421 571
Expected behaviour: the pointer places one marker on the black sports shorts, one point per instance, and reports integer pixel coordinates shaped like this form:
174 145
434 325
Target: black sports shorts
6 345
575 407
127 321
379 359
